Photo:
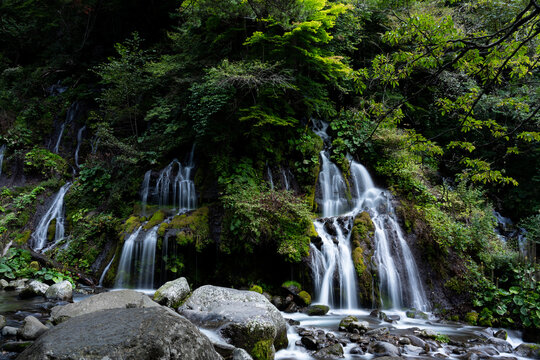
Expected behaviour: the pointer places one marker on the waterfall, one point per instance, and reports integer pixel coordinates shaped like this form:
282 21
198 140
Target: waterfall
57 146
2 151
333 189
333 271
137 262
105 271
79 140
270 178
71 114
285 176
55 212
399 280
174 186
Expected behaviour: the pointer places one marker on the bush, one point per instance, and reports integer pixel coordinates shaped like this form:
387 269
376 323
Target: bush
44 162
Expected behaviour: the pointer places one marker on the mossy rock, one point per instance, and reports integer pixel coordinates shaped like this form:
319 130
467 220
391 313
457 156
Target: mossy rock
131 224
362 231
317 310
256 288
194 228
358 260
156 219
306 298
51 231
194 219
34 266
471 318
263 350
162 229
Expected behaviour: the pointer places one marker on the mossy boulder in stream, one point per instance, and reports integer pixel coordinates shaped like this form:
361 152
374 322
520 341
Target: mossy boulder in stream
245 318
362 253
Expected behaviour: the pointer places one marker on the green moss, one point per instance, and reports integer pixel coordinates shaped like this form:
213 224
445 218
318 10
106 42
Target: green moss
471 318
34 266
306 298
194 228
51 231
358 260
131 224
262 350
162 228
290 283
256 288
157 218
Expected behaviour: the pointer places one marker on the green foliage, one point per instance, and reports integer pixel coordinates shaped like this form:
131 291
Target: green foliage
46 163
18 264
256 217
256 288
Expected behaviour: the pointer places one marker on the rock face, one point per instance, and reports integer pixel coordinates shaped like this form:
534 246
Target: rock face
32 328
247 319
135 333
103 301
34 288
60 291
172 293
2 322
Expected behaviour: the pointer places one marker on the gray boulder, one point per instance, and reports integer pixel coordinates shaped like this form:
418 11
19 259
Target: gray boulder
3 283
34 288
133 333
32 328
103 301
528 350
60 291
172 293
18 284
241 354
331 352
3 322
317 310
9 331
382 348
245 318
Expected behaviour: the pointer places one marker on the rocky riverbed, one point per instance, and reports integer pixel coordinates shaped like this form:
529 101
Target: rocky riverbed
220 323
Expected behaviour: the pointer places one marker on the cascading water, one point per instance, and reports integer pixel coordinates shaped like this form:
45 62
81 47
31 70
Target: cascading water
55 212
105 271
79 140
71 114
2 151
174 187
270 177
137 262
285 174
333 270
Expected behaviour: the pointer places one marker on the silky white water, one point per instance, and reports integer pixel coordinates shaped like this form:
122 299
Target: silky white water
55 212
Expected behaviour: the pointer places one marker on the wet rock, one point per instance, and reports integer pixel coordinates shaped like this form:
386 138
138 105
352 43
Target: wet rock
291 308
412 350
134 333
3 284
331 352
103 301
16 346
172 293
32 328
487 350
378 331
245 318
330 228
9 331
500 344
416 341
3 322
383 316
416 314
240 354
34 288
404 341
383 348
392 318
291 288
304 298
278 302
501 334
292 322
60 291
346 321
528 350
361 326
317 310
427 333
18 284
357 350
309 343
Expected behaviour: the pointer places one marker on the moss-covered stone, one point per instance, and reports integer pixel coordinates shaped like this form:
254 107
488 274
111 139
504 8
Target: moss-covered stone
471 318
162 229
51 230
156 219
306 298
34 266
256 288
131 224
194 228
262 350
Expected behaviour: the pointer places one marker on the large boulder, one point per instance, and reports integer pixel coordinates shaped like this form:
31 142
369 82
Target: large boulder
103 301
34 288
133 333
172 293
32 328
60 291
528 350
245 318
